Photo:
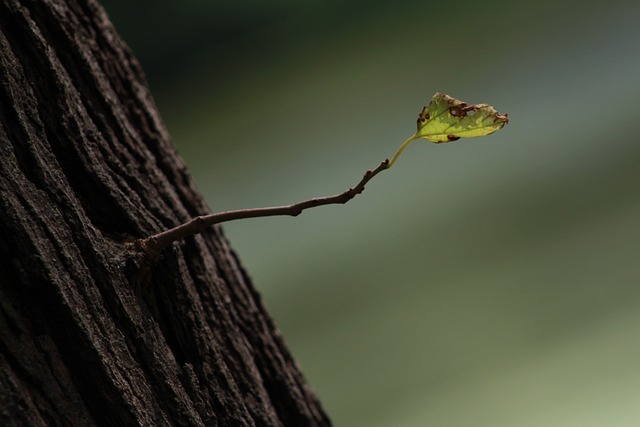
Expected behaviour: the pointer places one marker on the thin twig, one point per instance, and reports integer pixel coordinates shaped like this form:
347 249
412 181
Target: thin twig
156 243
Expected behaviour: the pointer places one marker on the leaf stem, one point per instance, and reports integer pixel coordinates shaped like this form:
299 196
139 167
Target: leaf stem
401 149
153 245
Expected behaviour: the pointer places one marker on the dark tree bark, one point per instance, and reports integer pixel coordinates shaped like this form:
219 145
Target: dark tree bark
92 332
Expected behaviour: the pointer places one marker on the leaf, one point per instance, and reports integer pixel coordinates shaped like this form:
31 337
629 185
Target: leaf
447 119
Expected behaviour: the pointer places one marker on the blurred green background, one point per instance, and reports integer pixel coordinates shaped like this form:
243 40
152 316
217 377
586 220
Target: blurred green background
487 282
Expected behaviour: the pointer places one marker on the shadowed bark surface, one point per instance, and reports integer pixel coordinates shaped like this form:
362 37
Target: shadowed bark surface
91 332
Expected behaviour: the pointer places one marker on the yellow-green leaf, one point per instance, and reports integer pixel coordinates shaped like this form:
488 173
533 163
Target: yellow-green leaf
448 119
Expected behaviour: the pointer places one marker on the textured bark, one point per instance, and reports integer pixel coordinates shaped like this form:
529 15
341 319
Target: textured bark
90 332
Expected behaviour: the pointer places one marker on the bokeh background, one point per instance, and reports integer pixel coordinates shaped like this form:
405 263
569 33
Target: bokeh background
487 282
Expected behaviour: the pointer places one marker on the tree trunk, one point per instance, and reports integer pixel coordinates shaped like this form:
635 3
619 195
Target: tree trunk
91 332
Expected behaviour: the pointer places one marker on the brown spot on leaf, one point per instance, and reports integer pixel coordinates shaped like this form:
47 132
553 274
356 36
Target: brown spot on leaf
423 117
462 109
452 137
504 117
457 111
